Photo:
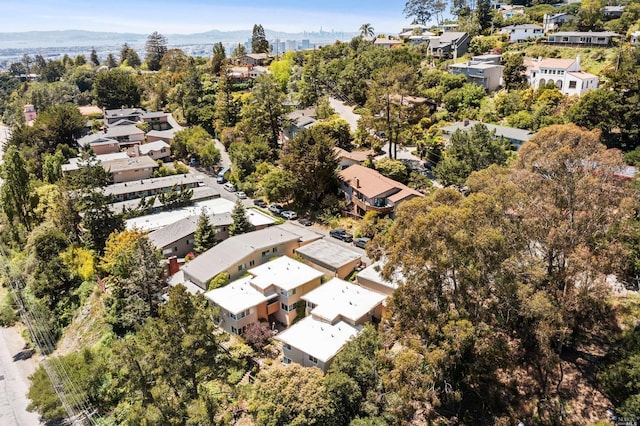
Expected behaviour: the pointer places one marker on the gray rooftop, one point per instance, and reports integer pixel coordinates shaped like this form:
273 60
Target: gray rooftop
328 254
183 228
522 27
200 193
306 234
511 133
585 34
229 252
123 112
111 133
151 184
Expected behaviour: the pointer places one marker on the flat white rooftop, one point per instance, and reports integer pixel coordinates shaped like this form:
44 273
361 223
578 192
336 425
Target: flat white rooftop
317 338
237 296
373 273
156 221
338 298
283 272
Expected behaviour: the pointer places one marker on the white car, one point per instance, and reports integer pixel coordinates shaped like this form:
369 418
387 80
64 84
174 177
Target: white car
288 214
241 195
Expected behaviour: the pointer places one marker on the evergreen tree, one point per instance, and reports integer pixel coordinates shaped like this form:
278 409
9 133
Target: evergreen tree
205 235
155 49
111 61
129 56
226 110
513 72
259 43
218 57
239 51
93 57
241 224
17 199
483 14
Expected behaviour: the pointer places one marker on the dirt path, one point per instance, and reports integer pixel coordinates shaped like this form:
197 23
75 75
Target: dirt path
16 364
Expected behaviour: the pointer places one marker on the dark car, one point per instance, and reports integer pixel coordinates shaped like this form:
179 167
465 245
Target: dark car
259 203
341 234
275 208
361 242
305 221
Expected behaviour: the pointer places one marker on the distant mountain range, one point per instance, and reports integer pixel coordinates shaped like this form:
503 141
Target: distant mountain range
65 38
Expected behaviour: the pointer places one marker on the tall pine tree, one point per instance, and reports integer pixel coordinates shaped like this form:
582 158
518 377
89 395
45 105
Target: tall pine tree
205 235
259 43
241 224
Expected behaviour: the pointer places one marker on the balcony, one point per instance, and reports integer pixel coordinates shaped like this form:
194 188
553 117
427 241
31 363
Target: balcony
367 207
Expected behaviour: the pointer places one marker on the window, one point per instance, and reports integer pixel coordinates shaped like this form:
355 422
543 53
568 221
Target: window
313 359
175 249
240 315
241 267
286 293
310 305
572 85
274 250
252 262
286 360
286 346
289 308
265 253
234 330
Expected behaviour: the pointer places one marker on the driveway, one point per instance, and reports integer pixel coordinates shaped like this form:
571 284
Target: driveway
16 365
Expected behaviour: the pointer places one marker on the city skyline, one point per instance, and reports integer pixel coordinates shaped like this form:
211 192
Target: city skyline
194 16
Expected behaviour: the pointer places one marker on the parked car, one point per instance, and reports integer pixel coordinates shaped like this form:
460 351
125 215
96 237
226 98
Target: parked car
305 221
241 195
341 234
230 187
361 242
275 208
259 202
288 214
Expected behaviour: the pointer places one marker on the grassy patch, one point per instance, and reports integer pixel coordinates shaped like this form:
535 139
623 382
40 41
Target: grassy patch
592 59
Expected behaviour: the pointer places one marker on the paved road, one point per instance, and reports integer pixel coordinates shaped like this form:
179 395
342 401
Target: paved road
346 112
16 365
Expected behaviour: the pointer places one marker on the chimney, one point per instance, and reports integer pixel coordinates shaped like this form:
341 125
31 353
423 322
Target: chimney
578 61
173 265
357 183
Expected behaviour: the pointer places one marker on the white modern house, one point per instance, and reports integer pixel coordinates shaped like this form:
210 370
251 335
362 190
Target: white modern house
566 74
271 292
522 32
336 312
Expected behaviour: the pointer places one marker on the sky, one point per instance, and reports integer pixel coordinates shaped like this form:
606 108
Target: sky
194 16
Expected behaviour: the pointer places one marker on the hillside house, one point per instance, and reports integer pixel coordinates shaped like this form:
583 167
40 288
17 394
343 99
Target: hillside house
577 38
367 190
522 32
566 74
484 74
451 44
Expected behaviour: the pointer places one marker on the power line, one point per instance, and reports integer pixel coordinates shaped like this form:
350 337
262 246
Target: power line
76 405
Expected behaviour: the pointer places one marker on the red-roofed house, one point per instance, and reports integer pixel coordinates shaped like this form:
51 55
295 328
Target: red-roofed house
367 190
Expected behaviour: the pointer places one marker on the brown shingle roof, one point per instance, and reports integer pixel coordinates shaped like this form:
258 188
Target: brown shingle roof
371 183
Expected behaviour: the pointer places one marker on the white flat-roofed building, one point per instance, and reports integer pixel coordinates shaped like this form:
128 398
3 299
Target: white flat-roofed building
371 278
158 150
522 32
314 343
334 260
77 162
271 293
238 302
338 300
162 219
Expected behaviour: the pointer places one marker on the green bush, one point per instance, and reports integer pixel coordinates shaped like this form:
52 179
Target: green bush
8 314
